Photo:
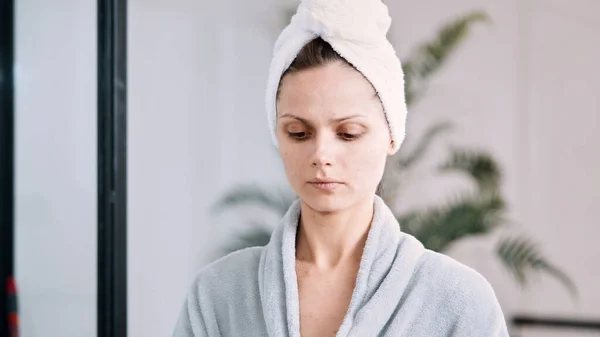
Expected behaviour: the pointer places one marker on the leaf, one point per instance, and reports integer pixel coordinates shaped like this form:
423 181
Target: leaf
278 200
479 165
522 256
466 215
431 56
405 161
410 93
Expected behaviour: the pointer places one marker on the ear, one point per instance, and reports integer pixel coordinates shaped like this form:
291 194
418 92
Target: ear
392 149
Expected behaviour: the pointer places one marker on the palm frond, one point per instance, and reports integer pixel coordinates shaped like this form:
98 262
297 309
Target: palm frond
466 215
522 256
479 165
257 235
431 56
404 161
410 92
278 200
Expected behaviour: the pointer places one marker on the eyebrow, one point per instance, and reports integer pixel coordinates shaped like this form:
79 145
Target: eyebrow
337 120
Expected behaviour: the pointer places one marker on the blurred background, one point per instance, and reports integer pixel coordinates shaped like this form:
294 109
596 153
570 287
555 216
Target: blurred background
500 169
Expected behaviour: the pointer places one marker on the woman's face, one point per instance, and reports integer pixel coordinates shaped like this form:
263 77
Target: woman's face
332 136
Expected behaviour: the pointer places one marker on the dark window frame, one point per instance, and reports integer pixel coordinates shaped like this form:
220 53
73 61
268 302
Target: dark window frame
7 187
524 321
112 168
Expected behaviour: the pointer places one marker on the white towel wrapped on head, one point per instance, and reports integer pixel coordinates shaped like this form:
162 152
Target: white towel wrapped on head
356 29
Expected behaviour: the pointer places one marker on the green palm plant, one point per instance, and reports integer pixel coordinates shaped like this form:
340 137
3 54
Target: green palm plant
479 211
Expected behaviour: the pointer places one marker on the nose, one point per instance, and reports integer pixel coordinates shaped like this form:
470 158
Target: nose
323 154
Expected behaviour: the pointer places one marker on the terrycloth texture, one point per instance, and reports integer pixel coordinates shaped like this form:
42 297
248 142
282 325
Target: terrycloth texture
356 29
402 289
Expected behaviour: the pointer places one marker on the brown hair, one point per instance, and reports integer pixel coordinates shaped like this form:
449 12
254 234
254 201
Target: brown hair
316 53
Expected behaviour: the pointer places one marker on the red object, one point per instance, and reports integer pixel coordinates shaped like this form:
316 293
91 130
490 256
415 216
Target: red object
13 317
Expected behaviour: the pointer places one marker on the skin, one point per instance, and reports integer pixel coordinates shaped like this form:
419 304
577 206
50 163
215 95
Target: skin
331 126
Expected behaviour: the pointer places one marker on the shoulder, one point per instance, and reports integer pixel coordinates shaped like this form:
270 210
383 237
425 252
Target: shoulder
462 292
234 262
228 280
458 281
455 276
236 271
445 274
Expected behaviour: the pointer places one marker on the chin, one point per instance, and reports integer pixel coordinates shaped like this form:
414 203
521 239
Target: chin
326 203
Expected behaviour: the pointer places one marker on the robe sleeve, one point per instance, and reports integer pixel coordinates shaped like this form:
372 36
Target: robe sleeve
481 314
191 323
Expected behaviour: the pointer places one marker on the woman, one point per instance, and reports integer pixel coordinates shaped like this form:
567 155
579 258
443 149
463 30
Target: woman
337 263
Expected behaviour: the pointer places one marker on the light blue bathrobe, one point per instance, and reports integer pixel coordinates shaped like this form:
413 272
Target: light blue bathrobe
401 289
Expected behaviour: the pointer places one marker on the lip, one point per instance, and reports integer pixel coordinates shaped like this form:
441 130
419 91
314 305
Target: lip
324 181
325 184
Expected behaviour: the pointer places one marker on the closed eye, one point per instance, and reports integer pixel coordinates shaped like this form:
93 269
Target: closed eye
298 135
348 136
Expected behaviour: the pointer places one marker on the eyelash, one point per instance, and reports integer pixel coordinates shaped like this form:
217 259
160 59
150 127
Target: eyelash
348 137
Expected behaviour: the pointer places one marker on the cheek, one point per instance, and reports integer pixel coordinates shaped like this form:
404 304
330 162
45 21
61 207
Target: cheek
368 165
291 162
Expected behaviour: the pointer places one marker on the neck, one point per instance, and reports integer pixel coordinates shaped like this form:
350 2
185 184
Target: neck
330 239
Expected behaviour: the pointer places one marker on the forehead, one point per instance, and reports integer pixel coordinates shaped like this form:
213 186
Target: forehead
333 90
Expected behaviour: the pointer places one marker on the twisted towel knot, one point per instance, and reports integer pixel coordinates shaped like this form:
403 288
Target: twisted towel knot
363 21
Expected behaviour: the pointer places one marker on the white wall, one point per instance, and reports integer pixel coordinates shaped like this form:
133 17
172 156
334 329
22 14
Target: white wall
522 87
55 112
560 158
196 75
174 154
